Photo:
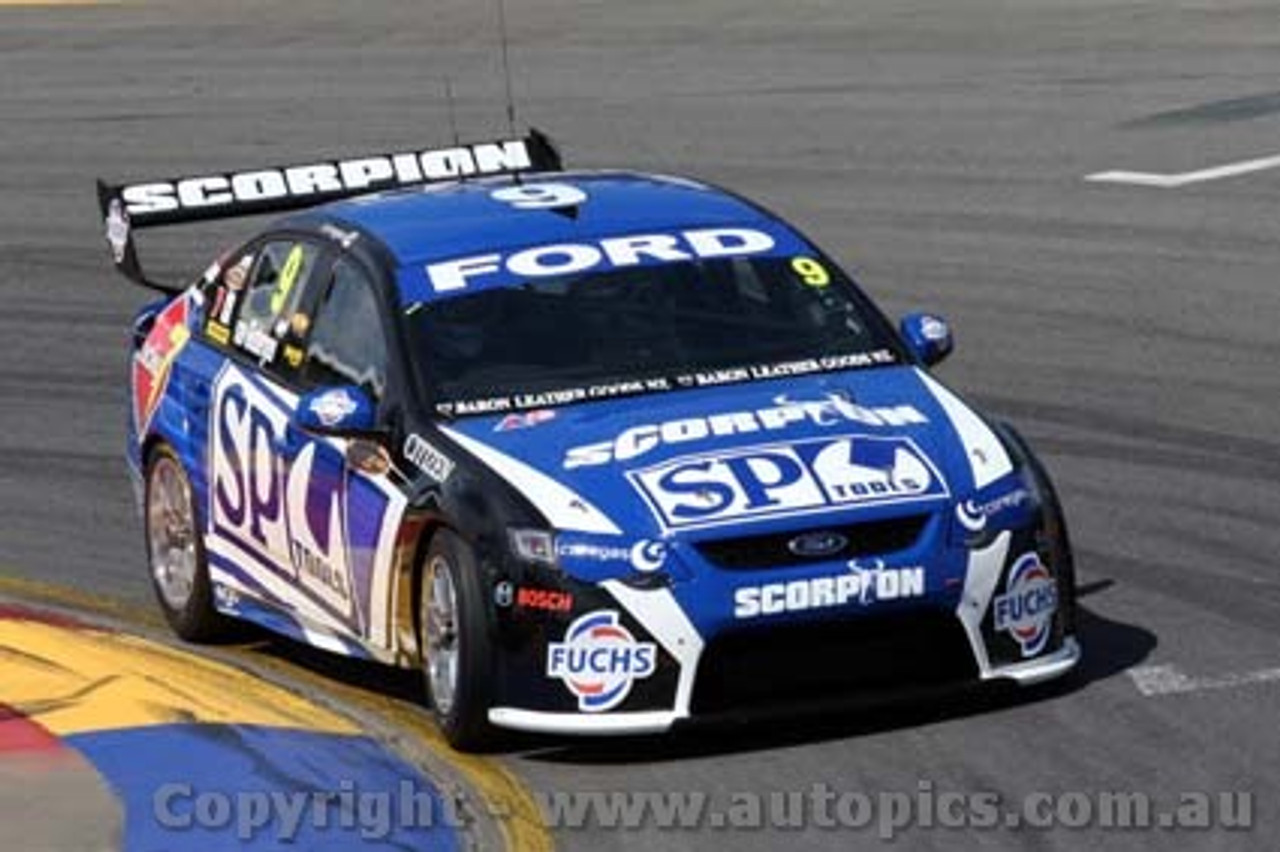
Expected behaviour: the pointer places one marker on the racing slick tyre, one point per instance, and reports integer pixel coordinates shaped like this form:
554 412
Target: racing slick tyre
175 551
455 643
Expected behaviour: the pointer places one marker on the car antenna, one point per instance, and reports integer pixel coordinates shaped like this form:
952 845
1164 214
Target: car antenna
506 74
506 66
453 109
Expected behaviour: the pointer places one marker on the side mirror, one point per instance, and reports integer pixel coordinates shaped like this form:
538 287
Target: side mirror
345 411
927 336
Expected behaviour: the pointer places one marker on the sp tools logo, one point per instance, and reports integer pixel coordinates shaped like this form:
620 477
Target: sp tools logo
599 659
782 480
1026 608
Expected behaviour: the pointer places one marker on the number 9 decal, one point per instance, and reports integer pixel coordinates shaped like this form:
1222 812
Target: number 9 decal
539 196
288 277
811 271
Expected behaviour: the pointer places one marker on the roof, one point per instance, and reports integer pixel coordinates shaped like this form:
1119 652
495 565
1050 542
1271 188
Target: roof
433 222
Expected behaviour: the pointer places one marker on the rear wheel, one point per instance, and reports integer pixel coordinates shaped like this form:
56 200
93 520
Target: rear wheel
457 651
175 551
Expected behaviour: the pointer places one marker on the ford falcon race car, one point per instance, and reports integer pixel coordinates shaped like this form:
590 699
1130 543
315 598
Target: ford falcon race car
601 452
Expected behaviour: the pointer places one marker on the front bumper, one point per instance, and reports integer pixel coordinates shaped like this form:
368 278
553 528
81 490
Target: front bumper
969 626
1045 668
1029 673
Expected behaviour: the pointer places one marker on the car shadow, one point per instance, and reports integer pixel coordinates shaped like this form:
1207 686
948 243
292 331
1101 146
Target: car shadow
1110 648
374 678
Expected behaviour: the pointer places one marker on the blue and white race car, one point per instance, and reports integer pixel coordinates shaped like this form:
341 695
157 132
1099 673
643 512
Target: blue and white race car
601 452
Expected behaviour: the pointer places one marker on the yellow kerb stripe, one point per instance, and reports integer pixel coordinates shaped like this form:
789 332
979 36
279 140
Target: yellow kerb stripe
79 680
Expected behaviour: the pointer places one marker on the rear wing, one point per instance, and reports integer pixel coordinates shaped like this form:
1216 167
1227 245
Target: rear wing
182 200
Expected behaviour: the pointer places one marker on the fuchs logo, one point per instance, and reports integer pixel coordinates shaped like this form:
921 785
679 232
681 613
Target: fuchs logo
599 659
1026 608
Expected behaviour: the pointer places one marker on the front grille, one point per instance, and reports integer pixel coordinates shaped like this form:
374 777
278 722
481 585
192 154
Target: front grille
866 538
799 664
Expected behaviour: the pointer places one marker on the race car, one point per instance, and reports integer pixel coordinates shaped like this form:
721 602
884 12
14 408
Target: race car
601 452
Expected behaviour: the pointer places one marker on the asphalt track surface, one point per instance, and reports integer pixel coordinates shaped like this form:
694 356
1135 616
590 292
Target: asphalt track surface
939 149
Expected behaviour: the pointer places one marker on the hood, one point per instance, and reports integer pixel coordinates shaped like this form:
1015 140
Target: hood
761 455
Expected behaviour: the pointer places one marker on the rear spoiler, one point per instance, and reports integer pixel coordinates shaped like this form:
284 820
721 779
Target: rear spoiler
182 200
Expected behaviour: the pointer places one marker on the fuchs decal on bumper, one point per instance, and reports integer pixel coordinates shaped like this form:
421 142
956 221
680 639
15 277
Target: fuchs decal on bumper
599 660
780 480
1028 604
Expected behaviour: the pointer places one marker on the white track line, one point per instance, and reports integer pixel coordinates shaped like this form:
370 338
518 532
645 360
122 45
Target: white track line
1167 680
1173 181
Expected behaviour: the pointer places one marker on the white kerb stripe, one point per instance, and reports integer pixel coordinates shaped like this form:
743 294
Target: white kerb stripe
987 457
563 508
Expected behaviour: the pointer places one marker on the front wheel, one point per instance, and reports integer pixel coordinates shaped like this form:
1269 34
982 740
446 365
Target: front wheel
175 552
456 649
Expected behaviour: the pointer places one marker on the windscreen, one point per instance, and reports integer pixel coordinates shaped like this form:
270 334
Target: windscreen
644 329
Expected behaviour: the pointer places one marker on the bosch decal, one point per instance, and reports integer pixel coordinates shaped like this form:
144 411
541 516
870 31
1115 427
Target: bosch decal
861 585
547 600
599 660
504 594
788 479
1028 604
835 410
